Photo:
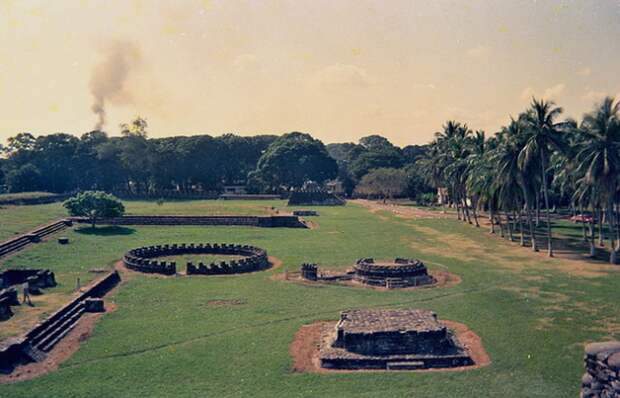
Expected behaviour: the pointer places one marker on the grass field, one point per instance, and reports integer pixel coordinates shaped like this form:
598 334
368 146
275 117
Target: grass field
533 314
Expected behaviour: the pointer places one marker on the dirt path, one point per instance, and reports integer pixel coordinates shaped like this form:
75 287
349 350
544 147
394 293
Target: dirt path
410 212
305 350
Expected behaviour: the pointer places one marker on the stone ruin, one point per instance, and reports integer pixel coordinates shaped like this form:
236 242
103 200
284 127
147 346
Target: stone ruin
309 271
37 279
602 377
305 213
400 273
390 340
314 197
142 259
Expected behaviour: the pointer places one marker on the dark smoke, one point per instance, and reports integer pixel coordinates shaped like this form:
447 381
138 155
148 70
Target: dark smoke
109 78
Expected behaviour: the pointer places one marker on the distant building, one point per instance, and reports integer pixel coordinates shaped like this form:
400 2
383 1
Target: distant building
235 189
335 187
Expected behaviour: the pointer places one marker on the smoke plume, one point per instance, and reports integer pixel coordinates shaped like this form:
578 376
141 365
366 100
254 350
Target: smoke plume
108 82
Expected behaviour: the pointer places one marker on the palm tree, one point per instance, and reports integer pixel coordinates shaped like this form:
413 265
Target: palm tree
543 134
600 158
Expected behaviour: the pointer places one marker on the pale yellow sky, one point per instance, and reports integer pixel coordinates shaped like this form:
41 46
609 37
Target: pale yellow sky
336 69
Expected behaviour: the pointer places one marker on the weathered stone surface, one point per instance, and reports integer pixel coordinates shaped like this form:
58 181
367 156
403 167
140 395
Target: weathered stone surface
139 259
602 362
392 340
94 304
399 273
314 197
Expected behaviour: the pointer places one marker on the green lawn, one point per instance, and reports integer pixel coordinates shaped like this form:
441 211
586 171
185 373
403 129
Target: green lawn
533 314
15 220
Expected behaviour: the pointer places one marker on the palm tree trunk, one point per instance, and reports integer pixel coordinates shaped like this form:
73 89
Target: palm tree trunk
600 228
473 209
521 235
466 206
509 224
491 218
592 238
546 195
499 222
537 203
528 213
610 223
583 224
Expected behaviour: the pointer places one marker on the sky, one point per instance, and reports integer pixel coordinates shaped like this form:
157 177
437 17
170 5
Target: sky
336 69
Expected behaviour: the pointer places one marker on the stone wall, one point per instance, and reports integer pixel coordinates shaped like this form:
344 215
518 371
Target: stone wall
140 259
12 245
38 278
33 345
314 198
602 377
252 221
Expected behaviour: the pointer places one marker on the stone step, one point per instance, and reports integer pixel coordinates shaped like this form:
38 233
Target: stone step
34 353
407 365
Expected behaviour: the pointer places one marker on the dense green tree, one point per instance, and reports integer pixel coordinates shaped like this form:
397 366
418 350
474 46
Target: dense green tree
384 183
293 159
94 205
24 178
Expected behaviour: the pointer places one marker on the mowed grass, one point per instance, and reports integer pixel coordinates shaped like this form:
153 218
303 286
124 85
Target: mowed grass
165 339
15 220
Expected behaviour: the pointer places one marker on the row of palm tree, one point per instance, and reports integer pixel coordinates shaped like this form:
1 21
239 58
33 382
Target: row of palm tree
513 174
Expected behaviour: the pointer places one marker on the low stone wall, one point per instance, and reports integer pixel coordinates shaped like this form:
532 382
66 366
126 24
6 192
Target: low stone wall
140 259
12 245
233 196
38 278
252 221
33 345
602 377
8 297
402 273
314 198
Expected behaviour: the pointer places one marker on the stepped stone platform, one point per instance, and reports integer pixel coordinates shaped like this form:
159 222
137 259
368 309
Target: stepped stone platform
314 197
390 340
400 273
34 345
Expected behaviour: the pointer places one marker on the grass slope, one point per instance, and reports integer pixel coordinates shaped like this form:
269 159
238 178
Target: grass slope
166 339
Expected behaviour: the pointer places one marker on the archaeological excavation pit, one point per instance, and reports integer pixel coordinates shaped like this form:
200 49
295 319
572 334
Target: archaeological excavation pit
380 339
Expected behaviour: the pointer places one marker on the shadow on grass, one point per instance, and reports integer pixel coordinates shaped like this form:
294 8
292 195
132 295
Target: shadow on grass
110 230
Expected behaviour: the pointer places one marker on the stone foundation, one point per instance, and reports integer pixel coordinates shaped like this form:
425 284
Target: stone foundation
399 273
141 259
314 198
390 340
602 377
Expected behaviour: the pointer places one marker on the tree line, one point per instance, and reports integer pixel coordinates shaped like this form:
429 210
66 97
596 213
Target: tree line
537 163
134 164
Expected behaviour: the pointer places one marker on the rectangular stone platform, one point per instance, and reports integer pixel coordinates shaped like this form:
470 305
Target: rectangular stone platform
391 340
331 357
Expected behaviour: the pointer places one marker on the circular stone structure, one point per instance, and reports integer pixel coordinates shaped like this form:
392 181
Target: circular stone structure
143 259
402 272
